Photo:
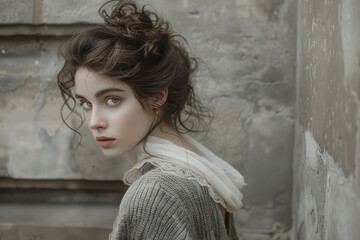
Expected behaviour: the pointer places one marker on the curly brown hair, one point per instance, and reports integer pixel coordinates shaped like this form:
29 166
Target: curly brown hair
137 47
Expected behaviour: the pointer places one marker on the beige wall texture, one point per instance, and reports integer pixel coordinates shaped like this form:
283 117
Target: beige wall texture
247 76
326 196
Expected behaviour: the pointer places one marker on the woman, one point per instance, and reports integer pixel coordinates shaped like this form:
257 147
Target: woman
132 79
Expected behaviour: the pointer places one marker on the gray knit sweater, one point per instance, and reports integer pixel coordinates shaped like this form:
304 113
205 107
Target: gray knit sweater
160 205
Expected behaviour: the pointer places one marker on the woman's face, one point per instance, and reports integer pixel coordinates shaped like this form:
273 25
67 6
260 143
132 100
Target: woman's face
115 117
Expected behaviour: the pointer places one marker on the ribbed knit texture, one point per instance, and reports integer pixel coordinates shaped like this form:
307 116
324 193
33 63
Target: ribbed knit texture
160 205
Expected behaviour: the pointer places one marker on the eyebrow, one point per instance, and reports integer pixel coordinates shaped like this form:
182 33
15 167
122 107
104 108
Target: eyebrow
103 91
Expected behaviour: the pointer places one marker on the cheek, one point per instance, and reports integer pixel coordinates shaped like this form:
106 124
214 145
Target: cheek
86 117
133 122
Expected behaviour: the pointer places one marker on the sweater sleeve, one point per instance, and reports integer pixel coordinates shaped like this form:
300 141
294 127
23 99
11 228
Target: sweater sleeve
149 211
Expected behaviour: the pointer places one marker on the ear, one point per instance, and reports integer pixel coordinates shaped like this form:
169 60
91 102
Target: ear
159 98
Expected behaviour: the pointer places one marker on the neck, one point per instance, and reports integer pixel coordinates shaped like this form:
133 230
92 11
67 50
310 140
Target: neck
165 131
168 132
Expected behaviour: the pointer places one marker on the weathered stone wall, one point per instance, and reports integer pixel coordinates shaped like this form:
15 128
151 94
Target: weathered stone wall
327 139
247 75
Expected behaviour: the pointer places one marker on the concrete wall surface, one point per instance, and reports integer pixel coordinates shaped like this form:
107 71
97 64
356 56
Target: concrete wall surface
326 189
246 75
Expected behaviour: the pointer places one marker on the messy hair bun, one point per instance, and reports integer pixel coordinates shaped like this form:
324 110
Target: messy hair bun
139 48
152 37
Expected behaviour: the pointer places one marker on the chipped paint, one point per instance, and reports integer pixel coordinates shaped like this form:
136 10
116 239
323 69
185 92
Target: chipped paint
326 202
330 71
326 188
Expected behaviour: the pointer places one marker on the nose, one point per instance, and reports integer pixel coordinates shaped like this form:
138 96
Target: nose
97 120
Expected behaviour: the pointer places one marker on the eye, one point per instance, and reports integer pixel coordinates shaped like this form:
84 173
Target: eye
112 101
86 105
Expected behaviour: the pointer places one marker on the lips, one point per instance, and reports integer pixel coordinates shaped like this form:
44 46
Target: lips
104 141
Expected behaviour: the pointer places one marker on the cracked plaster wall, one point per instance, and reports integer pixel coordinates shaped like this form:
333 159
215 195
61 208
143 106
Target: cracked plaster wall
246 75
326 189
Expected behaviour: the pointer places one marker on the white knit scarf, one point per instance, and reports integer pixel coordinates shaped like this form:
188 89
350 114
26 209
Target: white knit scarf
221 179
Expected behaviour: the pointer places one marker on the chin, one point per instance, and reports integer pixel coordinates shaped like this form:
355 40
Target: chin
111 153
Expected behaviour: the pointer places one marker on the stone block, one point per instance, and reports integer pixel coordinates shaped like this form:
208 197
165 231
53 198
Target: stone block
10 231
71 11
17 11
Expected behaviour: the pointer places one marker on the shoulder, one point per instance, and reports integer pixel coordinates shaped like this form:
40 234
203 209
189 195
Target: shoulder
150 209
165 206
153 184
157 181
166 193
